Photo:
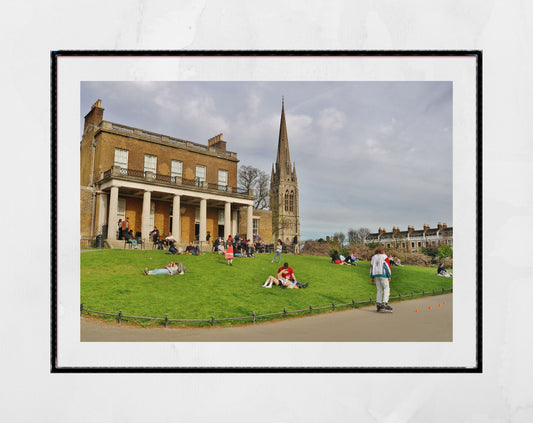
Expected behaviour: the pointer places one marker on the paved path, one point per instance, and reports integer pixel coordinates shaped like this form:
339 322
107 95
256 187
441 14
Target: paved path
362 324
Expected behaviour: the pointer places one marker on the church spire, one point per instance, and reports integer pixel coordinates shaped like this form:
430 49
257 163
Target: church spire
283 159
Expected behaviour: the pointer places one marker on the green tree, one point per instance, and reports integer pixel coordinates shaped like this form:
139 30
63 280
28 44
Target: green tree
445 251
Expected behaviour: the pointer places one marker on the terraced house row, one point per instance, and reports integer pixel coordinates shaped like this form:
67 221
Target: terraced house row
151 179
412 239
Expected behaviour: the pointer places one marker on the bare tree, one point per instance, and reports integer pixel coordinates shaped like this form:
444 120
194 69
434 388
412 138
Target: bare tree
356 236
250 177
340 238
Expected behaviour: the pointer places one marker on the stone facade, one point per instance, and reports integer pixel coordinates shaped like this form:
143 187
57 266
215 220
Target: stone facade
128 172
284 195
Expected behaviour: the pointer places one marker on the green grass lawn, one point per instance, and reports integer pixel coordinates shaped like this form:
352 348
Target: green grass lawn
113 280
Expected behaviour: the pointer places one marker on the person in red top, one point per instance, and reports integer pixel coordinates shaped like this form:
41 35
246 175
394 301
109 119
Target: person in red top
229 254
287 272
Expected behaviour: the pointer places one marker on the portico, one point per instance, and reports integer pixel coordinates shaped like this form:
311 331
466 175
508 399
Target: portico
198 207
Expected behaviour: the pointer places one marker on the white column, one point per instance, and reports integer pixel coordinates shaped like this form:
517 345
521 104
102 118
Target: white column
250 224
102 212
113 208
203 220
234 227
227 220
145 227
176 218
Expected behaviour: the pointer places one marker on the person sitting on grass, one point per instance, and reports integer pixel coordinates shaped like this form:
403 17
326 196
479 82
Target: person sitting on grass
172 249
287 274
395 261
192 250
281 281
441 271
352 259
169 269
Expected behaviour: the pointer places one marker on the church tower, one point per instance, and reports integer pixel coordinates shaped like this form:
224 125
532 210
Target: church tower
284 198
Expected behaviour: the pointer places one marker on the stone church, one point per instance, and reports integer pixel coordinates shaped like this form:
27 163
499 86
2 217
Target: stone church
284 197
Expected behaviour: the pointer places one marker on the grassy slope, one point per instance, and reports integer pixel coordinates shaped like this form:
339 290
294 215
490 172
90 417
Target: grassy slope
113 280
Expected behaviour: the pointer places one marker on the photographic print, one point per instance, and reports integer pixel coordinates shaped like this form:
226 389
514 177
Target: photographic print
319 206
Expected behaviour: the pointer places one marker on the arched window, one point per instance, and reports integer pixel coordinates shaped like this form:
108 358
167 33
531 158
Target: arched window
287 200
291 201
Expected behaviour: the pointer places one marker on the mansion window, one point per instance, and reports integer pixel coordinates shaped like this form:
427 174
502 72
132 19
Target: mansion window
176 170
255 226
150 164
286 200
200 175
223 180
121 159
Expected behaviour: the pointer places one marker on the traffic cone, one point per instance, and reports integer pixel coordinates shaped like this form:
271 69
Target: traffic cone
416 311
430 307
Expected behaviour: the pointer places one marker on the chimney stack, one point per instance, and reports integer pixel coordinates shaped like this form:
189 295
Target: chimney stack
217 142
410 229
95 116
439 226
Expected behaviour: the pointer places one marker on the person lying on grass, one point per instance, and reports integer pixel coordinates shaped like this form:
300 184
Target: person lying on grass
283 282
170 269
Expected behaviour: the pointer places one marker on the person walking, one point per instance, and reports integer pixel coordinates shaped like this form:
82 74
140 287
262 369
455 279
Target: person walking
229 254
279 248
381 275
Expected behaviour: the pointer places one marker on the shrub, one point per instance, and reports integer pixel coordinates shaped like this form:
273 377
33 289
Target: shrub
316 248
445 251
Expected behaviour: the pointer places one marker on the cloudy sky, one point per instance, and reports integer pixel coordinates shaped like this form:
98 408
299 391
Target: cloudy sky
367 154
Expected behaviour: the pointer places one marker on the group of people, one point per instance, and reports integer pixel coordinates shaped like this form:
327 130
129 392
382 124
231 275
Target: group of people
338 258
284 279
241 247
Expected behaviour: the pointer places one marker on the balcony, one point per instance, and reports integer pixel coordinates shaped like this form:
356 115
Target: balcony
117 172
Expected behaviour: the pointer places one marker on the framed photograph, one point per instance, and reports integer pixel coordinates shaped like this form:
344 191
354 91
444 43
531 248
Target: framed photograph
186 183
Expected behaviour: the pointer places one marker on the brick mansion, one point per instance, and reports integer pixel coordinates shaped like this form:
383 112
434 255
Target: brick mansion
186 188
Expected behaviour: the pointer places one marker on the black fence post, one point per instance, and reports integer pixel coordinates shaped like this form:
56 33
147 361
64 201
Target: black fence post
333 306
166 320
370 300
81 309
310 309
212 320
412 294
433 292
253 316
284 312
423 293
353 303
400 295
119 317
443 290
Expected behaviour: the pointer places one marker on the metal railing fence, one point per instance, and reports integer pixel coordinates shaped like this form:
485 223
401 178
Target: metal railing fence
253 317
